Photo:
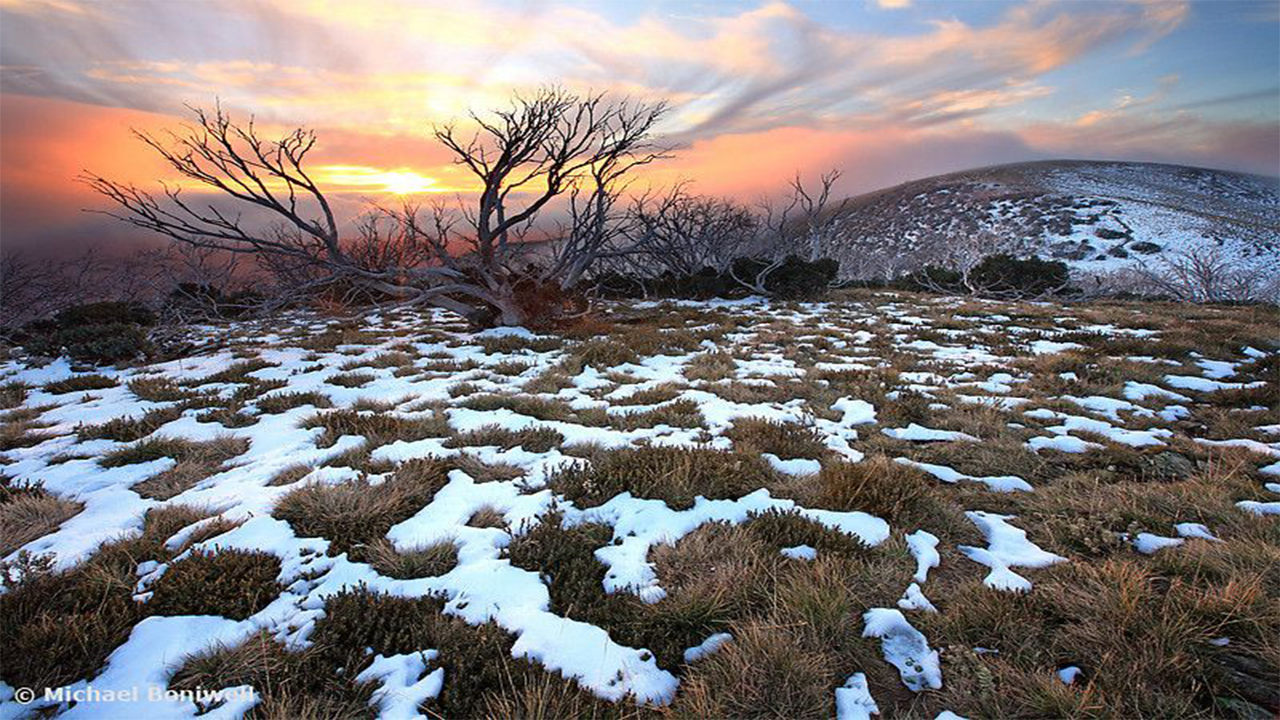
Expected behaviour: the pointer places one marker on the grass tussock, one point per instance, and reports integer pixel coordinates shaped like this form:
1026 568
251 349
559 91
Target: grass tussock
59 627
353 515
284 402
428 561
80 383
352 379
376 428
300 684
129 429
156 388
675 475
13 394
534 439
784 439
196 461
22 428
711 366
31 514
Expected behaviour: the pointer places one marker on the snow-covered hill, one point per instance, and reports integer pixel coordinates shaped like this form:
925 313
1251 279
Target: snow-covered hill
1096 216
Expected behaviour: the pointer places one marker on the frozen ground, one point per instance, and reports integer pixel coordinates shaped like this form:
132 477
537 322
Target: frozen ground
1098 217
1018 424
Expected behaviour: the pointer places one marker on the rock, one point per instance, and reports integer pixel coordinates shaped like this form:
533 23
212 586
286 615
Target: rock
1171 465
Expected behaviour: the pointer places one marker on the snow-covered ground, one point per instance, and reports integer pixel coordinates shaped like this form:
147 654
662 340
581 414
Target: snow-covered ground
770 345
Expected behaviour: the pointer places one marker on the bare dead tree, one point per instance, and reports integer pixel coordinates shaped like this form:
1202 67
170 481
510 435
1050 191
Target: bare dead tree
1205 274
801 224
682 234
35 287
524 157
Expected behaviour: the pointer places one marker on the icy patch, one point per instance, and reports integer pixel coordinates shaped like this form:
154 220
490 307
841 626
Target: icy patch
1272 449
905 648
1007 546
1194 530
914 599
1049 347
1191 382
856 412
919 433
706 647
854 701
1134 390
404 684
800 552
1132 438
1062 443
998 483
1068 674
794 467
924 546
1216 369
1109 408
1259 508
1148 543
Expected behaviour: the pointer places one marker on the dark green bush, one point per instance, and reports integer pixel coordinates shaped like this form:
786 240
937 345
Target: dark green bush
103 332
91 343
105 313
999 275
1005 274
794 279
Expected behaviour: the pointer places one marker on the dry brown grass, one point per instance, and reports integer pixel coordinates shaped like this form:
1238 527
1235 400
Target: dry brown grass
538 439
196 462
289 475
786 440
427 561
710 366
487 517
675 475
32 515
376 428
21 428
355 514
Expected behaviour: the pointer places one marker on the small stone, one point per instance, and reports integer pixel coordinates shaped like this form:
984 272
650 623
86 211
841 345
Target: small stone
1172 465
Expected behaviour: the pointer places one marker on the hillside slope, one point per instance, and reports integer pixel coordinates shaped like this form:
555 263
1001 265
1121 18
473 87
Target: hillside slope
1096 216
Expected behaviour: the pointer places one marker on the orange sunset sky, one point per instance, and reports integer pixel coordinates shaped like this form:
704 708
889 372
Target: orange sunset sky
887 90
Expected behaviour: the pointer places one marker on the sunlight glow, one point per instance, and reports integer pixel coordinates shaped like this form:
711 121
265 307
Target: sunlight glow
400 181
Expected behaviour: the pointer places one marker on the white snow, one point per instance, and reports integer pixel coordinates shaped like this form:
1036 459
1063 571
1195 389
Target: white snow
918 433
1147 543
1007 547
998 483
854 701
924 547
404 684
800 552
905 648
706 647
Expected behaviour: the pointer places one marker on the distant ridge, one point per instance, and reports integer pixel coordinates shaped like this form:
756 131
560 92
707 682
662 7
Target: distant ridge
1097 216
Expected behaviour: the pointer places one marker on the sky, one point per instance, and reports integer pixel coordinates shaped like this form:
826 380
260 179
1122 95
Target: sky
886 90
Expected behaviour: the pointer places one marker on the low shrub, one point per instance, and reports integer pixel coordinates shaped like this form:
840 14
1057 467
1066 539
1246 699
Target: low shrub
229 583
675 475
105 332
355 514
80 383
